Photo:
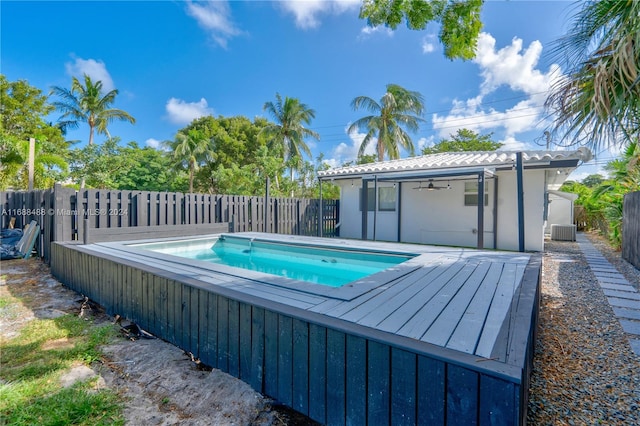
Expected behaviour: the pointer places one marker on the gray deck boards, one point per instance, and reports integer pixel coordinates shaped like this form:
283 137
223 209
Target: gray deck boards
457 298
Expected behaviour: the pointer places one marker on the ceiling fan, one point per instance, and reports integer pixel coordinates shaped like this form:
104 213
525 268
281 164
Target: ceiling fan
432 187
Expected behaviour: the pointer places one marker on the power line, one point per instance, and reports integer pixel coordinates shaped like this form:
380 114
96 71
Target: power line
449 109
340 136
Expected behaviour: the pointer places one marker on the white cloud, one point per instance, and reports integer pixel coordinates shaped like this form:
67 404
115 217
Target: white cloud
423 143
429 43
153 143
306 12
509 67
95 69
215 18
368 31
513 67
511 144
344 152
182 112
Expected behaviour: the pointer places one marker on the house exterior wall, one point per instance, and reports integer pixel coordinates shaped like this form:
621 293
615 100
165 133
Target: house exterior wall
534 187
351 217
440 217
560 212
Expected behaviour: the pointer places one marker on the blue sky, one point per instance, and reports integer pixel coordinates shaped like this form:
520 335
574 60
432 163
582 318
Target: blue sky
173 61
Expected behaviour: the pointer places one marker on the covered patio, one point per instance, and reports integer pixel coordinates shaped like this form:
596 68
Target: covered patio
405 201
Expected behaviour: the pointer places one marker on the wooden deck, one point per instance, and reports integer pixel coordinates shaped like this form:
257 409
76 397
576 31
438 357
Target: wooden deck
463 316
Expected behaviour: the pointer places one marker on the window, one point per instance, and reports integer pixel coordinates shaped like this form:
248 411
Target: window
471 194
371 199
387 199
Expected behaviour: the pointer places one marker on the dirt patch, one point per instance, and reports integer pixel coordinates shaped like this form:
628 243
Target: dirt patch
165 387
159 382
52 345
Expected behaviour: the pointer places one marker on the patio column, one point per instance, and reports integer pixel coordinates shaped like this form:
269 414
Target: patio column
520 189
399 210
375 206
320 211
495 212
481 210
267 216
365 207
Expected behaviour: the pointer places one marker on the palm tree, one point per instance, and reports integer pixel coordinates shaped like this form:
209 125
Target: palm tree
288 131
86 103
609 195
398 107
190 149
597 103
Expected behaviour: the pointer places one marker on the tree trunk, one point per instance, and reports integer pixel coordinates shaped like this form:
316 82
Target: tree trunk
291 170
192 173
90 143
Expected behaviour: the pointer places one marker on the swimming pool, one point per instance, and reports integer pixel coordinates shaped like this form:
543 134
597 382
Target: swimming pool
329 266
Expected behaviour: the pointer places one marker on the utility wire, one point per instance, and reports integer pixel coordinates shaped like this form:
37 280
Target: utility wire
449 109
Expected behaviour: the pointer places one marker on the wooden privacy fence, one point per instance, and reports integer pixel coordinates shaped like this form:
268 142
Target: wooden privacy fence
631 228
64 213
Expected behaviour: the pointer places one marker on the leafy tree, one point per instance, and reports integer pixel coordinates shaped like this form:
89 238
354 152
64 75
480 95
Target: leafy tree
49 166
288 131
189 149
362 159
87 103
398 107
597 103
309 186
22 111
459 20
592 181
463 140
233 140
99 165
10 160
603 202
149 170
624 178
366 159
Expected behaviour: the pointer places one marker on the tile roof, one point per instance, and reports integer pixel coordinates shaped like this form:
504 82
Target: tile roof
455 160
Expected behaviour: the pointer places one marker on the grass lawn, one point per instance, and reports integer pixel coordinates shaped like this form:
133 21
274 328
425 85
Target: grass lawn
33 361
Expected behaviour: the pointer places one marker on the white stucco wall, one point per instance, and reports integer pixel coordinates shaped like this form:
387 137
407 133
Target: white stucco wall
534 187
351 217
560 212
440 217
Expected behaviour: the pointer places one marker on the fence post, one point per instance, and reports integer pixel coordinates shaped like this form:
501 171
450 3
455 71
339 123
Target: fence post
267 217
61 213
320 211
631 228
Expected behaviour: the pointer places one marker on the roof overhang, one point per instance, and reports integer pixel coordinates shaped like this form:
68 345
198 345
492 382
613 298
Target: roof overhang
415 174
428 174
458 164
566 195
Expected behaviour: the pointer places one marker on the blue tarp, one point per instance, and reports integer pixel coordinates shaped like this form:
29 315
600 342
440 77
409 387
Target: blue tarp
10 236
21 244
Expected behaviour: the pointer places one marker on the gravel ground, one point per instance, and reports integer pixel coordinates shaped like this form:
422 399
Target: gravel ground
584 370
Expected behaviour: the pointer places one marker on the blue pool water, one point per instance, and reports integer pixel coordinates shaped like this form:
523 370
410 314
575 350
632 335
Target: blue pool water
320 265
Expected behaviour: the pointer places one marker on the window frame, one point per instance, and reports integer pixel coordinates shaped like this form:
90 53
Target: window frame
471 194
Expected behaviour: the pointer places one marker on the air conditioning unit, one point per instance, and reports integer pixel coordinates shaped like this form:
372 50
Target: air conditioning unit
563 232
